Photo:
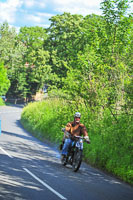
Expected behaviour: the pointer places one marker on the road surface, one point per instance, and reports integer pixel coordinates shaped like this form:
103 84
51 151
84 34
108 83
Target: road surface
31 170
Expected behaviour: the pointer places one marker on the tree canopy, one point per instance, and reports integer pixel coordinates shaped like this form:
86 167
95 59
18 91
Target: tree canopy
78 57
4 81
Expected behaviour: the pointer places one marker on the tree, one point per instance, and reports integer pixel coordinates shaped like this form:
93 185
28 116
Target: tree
33 38
4 81
118 26
63 41
25 59
118 45
36 60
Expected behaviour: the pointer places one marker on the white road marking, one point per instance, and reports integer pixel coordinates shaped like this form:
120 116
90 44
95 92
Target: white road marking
44 184
6 152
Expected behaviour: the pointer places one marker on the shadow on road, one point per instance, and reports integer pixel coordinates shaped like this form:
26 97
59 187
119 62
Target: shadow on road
42 160
15 183
17 135
16 105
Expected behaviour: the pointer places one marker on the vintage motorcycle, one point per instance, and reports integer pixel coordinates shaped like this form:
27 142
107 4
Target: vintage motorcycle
75 152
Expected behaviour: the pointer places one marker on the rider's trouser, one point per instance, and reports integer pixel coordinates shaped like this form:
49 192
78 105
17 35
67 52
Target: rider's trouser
67 144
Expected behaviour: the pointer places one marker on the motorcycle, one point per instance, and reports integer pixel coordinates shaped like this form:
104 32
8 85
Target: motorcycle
75 152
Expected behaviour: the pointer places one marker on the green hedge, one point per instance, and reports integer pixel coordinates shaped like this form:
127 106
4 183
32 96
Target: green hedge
111 145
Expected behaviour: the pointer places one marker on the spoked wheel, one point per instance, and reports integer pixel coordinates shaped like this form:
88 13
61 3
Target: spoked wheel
77 160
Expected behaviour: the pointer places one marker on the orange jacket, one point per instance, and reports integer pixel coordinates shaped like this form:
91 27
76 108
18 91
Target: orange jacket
76 129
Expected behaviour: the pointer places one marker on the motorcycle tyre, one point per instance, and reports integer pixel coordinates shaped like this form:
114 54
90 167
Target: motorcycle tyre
78 157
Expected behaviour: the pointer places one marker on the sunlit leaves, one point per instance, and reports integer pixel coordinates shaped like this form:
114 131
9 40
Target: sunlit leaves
4 82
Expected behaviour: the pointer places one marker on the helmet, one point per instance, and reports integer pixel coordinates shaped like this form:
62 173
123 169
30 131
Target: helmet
77 114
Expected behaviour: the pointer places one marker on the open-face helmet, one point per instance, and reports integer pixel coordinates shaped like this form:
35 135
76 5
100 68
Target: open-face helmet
77 114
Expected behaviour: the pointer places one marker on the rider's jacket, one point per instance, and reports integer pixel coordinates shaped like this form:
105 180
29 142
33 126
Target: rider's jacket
76 129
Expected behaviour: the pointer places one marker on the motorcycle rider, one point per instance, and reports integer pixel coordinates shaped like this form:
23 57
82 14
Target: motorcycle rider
74 128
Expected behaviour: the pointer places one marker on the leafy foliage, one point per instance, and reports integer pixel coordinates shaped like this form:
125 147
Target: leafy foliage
4 82
110 148
86 62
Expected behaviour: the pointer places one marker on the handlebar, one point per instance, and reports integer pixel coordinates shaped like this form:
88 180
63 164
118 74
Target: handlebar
68 135
83 138
80 137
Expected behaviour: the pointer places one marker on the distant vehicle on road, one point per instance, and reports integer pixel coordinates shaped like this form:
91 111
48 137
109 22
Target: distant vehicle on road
45 88
4 98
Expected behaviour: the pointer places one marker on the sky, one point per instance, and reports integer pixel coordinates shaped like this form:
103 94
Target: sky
20 13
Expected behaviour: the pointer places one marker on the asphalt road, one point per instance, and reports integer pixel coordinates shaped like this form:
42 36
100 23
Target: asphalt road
31 170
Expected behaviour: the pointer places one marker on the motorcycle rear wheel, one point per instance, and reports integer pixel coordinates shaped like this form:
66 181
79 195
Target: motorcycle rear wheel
77 160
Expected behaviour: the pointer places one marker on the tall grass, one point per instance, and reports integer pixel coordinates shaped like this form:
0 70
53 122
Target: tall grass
111 145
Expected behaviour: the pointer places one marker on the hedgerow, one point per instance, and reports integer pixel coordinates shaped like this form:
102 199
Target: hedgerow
111 147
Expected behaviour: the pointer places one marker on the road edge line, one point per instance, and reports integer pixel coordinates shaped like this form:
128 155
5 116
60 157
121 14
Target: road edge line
44 184
6 152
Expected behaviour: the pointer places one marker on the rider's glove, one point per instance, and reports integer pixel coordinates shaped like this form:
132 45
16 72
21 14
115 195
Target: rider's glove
87 139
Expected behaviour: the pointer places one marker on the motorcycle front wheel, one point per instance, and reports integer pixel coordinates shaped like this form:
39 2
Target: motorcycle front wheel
77 160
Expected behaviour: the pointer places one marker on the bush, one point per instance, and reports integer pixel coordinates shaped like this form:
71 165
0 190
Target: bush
110 147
